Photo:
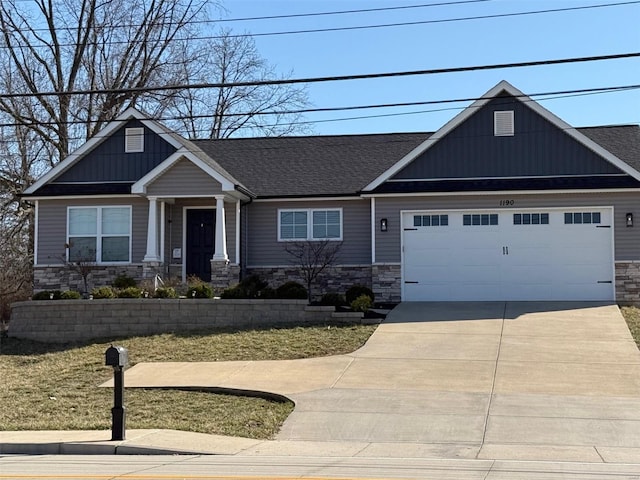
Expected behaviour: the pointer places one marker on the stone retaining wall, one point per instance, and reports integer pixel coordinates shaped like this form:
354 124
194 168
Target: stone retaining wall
61 321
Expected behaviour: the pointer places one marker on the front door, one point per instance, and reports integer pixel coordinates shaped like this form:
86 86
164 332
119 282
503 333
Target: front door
200 242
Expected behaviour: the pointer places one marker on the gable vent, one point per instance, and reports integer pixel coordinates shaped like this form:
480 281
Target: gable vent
134 140
503 123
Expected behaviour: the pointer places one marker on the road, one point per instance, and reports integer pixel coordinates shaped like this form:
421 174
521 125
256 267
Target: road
218 467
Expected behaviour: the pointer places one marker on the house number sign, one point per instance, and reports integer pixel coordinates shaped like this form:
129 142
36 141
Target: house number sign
507 203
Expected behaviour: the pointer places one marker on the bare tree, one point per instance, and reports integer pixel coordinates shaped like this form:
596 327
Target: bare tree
245 110
109 51
312 258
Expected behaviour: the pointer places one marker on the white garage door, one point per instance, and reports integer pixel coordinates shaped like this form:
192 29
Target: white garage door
542 254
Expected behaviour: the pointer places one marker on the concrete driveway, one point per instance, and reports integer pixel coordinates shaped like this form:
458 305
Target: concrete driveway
516 380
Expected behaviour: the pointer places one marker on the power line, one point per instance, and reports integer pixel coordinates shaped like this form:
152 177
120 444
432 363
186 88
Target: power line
366 76
552 95
363 27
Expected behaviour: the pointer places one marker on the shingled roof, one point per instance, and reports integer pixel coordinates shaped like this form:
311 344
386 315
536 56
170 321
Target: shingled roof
343 165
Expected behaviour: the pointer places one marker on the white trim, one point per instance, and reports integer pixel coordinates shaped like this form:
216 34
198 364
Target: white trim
373 230
238 232
184 234
163 222
503 123
499 192
36 231
306 199
440 179
310 212
99 235
81 197
129 114
466 113
140 187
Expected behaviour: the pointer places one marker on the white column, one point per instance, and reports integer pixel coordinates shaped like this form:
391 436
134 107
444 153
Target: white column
152 232
238 232
163 222
221 232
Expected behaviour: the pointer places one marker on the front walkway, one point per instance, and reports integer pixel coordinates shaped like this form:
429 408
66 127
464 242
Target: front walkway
521 380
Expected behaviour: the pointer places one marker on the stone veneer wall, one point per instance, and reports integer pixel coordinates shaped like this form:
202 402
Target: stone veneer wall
334 279
64 278
61 321
386 280
224 274
628 283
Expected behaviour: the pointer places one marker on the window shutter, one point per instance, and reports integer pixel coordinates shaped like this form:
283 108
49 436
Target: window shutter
503 123
134 140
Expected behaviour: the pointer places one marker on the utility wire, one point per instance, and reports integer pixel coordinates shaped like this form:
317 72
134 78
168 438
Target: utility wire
364 27
526 98
293 81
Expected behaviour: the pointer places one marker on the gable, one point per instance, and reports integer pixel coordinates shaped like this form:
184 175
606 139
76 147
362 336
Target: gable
537 148
184 179
108 161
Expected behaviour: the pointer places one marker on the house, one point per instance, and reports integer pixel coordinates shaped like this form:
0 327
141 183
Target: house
504 202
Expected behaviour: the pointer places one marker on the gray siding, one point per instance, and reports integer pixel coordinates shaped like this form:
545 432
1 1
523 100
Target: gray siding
108 162
627 240
52 226
538 148
174 229
264 249
184 178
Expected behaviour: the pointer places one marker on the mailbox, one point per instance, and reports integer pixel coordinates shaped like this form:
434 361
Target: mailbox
116 356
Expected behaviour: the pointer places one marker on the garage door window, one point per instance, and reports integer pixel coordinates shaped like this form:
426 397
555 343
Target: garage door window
531 219
578 218
430 220
480 219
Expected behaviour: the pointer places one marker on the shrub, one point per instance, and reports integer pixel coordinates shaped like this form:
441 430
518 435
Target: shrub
292 290
124 281
165 292
250 287
362 303
103 292
358 290
70 295
203 290
267 293
130 292
46 295
333 299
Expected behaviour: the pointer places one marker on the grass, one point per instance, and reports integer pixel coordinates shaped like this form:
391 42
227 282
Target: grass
632 316
55 387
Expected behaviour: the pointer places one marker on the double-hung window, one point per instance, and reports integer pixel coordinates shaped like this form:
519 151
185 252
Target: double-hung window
99 234
310 224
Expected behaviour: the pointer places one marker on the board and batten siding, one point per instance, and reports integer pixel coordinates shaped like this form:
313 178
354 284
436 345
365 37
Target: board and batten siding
184 179
174 228
264 249
627 240
52 226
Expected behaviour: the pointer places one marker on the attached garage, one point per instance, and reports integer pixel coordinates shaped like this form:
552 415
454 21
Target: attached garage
508 254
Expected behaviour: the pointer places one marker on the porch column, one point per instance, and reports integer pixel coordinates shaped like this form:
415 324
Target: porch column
152 232
221 232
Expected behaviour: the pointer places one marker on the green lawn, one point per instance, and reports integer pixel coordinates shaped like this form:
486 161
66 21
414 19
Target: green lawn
55 387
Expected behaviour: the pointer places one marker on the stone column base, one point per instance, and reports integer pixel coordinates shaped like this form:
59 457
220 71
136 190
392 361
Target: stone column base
224 274
151 269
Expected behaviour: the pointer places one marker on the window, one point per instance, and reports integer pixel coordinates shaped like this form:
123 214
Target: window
503 123
578 218
531 219
134 140
430 220
480 219
99 234
310 224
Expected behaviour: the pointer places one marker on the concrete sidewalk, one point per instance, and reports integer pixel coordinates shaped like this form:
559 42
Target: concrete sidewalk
514 381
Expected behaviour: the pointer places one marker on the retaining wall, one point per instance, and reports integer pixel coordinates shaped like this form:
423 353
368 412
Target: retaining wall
61 321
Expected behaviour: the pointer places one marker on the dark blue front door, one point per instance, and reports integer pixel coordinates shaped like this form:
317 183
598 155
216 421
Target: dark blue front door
200 242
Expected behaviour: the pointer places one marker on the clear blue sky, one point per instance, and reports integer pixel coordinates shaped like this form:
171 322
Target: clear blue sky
600 31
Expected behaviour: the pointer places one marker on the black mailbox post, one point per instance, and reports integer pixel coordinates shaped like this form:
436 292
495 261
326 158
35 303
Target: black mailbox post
117 357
